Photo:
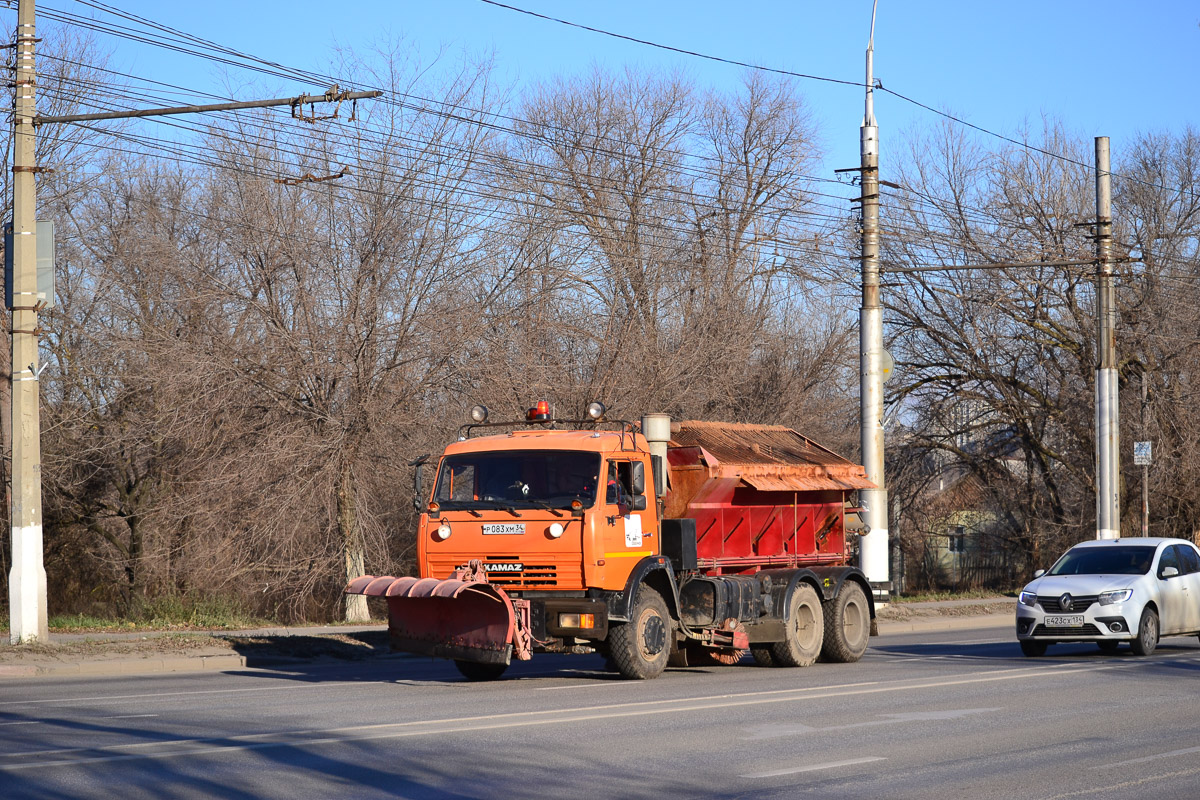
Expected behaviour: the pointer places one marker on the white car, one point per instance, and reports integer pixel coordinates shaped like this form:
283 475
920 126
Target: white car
1111 591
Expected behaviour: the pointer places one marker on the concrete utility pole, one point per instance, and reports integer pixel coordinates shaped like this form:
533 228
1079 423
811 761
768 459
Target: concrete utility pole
874 545
1108 473
1145 461
27 578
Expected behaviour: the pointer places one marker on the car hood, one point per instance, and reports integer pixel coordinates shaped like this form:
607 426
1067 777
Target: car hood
1054 585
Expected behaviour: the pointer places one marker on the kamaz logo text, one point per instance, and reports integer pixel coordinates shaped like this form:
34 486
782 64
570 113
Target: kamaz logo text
504 567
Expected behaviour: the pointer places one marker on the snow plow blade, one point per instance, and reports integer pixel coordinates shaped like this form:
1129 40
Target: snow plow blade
461 620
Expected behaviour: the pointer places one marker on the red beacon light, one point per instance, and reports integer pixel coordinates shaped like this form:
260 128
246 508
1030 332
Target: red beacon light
539 412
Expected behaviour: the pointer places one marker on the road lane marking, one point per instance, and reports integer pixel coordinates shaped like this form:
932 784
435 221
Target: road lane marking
131 716
1126 785
470 724
850 762
1155 757
779 732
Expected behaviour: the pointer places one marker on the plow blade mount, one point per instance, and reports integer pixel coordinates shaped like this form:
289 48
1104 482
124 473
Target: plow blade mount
462 620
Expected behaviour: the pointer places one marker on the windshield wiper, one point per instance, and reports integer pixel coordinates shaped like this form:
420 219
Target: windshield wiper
496 504
543 504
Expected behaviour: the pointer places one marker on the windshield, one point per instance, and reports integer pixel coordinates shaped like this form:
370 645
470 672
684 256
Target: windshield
522 479
1121 560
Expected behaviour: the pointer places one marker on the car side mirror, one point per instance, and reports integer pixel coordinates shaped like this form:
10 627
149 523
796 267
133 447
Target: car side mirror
1168 572
637 477
637 502
1037 573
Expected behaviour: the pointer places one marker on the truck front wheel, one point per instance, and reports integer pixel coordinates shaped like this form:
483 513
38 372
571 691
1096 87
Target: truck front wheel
847 625
640 648
804 630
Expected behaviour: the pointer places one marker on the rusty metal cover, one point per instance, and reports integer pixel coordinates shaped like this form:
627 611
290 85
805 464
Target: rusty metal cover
768 457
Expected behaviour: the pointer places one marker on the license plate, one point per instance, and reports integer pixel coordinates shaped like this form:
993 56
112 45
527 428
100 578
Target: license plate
1065 621
504 529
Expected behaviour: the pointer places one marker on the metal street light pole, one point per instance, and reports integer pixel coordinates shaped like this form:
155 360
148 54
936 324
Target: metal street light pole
1108 487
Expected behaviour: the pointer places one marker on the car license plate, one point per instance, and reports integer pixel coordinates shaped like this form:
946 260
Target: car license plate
508 529
1065 621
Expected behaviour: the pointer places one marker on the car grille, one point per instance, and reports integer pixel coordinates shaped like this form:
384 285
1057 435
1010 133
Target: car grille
1079 603
535 573
1079 630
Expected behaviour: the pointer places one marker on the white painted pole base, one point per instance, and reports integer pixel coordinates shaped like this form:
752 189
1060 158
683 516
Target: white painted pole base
27 588
873 546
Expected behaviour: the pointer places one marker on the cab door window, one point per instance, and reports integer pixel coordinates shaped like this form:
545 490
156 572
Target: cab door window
619 482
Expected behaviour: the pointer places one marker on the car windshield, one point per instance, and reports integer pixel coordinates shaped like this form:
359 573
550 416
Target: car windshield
521 479
1120 560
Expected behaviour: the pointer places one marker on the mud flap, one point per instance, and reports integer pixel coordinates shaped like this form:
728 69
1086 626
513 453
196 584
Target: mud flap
461 620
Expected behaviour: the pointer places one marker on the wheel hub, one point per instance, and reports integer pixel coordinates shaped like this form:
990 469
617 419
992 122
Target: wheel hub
654 635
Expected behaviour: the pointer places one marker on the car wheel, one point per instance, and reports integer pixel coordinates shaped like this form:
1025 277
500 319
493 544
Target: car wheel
1147 636
1107 646
1033 648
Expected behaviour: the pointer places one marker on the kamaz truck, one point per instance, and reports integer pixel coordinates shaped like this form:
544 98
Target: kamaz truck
656 543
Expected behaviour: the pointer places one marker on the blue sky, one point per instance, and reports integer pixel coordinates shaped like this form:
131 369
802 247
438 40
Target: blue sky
1103 67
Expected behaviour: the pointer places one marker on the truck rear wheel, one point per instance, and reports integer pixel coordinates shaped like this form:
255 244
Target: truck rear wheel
847 625
474 671
640 648
804 630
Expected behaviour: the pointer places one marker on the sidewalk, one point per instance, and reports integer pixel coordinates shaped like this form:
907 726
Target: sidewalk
95 654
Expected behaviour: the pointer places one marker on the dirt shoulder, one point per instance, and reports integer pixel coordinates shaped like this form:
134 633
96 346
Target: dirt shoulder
349 646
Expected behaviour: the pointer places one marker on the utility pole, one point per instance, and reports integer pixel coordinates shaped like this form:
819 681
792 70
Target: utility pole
1108 488
1145 461
27 578
874 555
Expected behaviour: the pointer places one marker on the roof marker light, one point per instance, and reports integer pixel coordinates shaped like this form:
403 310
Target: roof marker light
539 412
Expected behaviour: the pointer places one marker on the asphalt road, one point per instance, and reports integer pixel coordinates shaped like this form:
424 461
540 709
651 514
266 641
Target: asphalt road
957 714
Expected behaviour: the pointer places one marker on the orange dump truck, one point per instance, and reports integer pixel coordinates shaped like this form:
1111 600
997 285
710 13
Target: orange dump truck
665 542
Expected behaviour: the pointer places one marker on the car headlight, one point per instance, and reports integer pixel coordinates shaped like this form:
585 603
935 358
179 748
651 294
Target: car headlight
1028 599
1117 596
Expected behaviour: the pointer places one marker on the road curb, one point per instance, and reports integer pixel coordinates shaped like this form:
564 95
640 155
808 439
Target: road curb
129 666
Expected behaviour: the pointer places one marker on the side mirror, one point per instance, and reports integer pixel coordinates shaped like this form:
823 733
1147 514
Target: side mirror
418 494
1039 573
637 477
1168 572
637 502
